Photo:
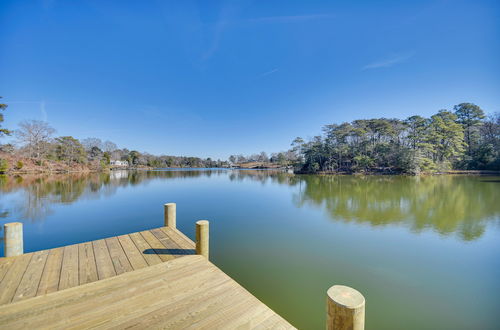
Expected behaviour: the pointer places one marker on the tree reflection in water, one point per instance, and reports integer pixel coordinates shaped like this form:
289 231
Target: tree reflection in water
445 204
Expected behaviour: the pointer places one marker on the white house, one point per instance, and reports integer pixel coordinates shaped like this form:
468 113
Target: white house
119 163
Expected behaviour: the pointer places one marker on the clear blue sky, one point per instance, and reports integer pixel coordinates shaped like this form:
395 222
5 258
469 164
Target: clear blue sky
211 78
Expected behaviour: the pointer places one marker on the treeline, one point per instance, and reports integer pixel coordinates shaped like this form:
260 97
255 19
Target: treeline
37 146
280 158
96 149
464 138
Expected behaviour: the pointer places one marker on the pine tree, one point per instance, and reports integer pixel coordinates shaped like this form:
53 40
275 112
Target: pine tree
447 136
3 131
470 117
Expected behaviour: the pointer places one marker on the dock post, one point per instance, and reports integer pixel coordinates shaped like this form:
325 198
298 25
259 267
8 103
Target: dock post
170 215
345 309
202 238
13 239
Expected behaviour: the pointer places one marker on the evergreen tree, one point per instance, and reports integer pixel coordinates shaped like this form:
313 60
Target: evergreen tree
3 131
470 116
447 136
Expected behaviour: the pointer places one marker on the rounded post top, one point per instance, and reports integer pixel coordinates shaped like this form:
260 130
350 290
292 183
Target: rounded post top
345 296
13 224
202 222
170 204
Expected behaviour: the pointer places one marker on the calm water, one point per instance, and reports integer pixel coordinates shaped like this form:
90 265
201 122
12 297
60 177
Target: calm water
425 252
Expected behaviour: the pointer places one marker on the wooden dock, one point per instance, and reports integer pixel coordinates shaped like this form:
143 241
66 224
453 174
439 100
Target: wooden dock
155 278
148 279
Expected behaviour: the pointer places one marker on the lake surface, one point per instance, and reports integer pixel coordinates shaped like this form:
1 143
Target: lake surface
425 252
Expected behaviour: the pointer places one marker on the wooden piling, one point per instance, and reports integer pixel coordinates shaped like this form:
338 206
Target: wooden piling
202 238
13 239
345 309
170 215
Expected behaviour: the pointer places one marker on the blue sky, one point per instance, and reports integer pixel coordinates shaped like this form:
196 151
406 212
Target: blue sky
213 78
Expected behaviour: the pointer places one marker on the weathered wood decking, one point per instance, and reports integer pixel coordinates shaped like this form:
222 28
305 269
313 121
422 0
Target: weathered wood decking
46 271
129 281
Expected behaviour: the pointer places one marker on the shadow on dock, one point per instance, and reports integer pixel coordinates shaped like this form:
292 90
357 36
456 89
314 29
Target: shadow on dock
170 251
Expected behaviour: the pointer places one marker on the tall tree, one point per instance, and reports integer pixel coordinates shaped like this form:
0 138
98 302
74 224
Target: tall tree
35 136
470 116
70 150
420 149
447 136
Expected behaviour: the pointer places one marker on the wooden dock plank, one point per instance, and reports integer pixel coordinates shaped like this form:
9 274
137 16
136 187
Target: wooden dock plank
147 251
118 256
69 269
273 322
5 264
134 256
13 277
173 310
172 247
32 276
51 273
103 261
157 246
184 243
179 234
186 291
87 267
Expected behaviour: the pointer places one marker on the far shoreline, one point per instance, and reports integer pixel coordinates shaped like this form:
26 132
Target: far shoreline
281 169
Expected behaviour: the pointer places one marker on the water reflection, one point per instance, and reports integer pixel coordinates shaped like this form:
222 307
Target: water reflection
445 204
36 194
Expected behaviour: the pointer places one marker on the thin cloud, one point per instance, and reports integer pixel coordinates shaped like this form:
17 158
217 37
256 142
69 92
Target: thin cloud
43 111
226 20
214 46
390 61
41 104
269 72
227 12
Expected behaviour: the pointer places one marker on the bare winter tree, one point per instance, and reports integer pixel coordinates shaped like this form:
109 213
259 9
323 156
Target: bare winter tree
92 142
35 136
109 146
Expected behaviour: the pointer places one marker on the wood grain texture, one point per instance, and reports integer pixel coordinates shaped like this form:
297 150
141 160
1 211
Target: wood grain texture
69 268
51 273
187 292
29 283
47 271
118 256
145 249
12 278
134 256
157 247
103 260
5 264
87 267
184 243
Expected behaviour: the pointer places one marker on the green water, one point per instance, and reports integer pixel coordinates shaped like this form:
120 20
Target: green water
425 252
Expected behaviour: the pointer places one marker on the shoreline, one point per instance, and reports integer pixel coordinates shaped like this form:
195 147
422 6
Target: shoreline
322 173
450 172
